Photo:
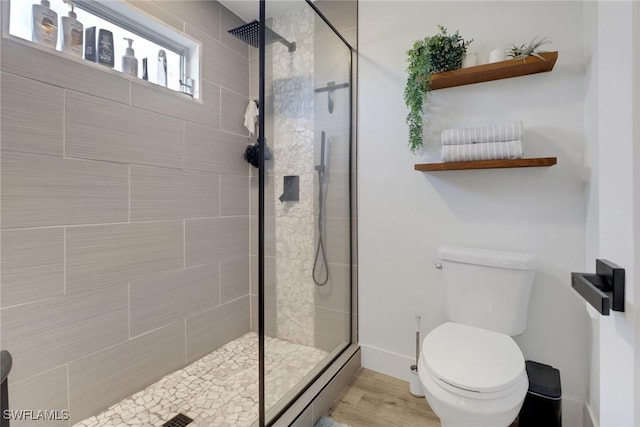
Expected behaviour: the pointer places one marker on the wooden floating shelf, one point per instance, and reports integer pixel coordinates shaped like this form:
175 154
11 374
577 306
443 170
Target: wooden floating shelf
496 71
487 164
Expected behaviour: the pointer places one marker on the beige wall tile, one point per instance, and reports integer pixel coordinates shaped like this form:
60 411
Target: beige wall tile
45 391
21 59
337 240
270 313
232 114
158 193
104 378
154 9
203 14
234 278
207 240
44 191
161 299
205 111
32 265
222 65
103 254
269 196
269 276
336 294
213 328
331 328
234 195
269 235
46 334
104 130
31 118
271 316
212 150
336 195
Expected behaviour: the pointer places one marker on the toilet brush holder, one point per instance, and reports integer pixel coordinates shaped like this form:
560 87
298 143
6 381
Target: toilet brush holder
415 386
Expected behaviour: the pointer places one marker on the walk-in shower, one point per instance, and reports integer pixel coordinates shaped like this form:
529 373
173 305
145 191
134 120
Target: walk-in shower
150 275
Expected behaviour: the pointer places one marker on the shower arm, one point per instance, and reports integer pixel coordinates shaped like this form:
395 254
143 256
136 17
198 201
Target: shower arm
290 45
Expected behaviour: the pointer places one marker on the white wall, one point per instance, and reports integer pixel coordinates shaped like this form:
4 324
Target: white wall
405 215
612 208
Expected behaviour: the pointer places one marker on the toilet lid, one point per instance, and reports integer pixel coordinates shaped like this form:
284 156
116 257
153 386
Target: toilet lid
472 359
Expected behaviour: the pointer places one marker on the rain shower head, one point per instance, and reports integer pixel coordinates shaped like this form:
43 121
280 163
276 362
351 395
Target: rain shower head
250 34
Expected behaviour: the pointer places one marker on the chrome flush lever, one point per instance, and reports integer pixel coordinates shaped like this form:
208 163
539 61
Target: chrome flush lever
438 266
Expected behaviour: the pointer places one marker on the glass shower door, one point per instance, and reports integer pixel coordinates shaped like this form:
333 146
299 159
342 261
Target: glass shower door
307 221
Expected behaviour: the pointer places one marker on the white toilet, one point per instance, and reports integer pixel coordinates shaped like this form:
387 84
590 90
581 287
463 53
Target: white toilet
472 372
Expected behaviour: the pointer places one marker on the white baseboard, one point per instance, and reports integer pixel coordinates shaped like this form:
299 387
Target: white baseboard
386 362
574 412
589 418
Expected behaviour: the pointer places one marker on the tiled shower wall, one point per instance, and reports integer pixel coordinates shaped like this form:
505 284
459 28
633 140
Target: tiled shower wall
125 218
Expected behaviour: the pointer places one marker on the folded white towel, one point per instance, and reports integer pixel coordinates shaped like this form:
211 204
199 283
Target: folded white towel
482 151
495 133
250 116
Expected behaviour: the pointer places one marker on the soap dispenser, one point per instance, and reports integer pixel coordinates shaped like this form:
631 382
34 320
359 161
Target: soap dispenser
72 33
45 20
129 60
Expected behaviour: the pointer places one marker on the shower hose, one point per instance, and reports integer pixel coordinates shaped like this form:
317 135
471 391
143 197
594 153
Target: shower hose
320 259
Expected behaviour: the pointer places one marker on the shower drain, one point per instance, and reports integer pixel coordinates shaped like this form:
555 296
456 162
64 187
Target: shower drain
179 420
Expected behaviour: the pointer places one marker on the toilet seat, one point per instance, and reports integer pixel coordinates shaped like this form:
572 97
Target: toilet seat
473 362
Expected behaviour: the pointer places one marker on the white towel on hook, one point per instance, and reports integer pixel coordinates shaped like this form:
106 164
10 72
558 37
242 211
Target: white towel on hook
250 117
495 133
482 151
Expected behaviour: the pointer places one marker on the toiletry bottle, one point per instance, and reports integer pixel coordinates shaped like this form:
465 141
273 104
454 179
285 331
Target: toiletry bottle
105 48
129 60
145 73
45 20
90 44
162 68
72 34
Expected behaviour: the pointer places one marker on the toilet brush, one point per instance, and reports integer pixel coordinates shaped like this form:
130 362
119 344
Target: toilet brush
415 387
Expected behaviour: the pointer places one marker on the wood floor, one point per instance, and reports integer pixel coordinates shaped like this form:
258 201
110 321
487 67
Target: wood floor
374 399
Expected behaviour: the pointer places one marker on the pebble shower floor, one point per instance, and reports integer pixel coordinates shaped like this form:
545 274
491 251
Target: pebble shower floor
221 389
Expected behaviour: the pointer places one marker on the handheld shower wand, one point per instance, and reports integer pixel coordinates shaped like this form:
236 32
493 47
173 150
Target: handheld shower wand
322 276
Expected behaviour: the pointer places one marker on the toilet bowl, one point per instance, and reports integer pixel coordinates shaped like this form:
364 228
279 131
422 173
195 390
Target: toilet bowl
472 377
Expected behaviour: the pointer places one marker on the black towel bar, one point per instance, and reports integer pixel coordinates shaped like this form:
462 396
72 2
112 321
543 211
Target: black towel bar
604 290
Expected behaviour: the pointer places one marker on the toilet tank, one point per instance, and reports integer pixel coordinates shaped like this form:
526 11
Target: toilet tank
487 288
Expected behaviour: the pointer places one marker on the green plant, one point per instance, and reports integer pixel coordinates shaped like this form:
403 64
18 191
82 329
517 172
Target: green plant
442 52
530 49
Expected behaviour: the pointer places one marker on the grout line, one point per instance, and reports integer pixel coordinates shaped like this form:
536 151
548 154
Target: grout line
68 390
186 348
184 145
129 193
184 243
64 123
129 307
219 195
64 260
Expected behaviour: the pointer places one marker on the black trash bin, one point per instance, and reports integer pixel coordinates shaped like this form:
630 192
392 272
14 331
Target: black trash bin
543 404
